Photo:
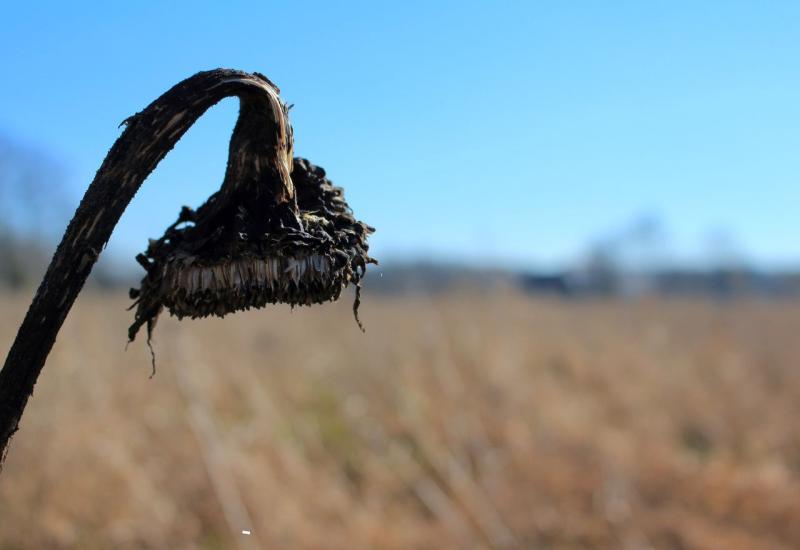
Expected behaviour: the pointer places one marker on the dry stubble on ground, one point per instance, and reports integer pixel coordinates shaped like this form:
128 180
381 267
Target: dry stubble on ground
461 421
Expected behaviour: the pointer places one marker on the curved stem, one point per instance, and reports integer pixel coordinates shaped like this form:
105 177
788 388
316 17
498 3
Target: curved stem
260 154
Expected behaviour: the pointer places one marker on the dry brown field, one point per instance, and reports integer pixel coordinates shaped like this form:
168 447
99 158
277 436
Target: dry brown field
467 420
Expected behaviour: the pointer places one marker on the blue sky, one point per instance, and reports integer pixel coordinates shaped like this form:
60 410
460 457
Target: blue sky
515 132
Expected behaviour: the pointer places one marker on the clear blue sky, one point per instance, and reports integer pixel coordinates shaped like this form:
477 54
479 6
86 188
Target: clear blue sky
511 131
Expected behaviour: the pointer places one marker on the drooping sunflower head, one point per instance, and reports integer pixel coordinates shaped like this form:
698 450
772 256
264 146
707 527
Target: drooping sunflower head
238 252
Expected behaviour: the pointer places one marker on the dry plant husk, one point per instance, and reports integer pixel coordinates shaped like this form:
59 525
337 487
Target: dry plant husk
241 250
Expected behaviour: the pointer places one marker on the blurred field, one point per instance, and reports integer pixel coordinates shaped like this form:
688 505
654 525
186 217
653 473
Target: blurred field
462 421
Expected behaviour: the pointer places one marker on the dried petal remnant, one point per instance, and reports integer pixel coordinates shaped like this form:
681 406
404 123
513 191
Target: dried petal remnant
228 257
216 289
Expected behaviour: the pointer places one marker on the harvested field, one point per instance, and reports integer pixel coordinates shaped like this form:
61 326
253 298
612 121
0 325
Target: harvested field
467 420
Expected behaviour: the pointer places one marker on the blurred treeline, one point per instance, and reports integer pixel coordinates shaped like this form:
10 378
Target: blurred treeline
633 259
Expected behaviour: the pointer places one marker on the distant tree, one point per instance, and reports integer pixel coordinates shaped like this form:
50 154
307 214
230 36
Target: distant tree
601 268
32 200
723 250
